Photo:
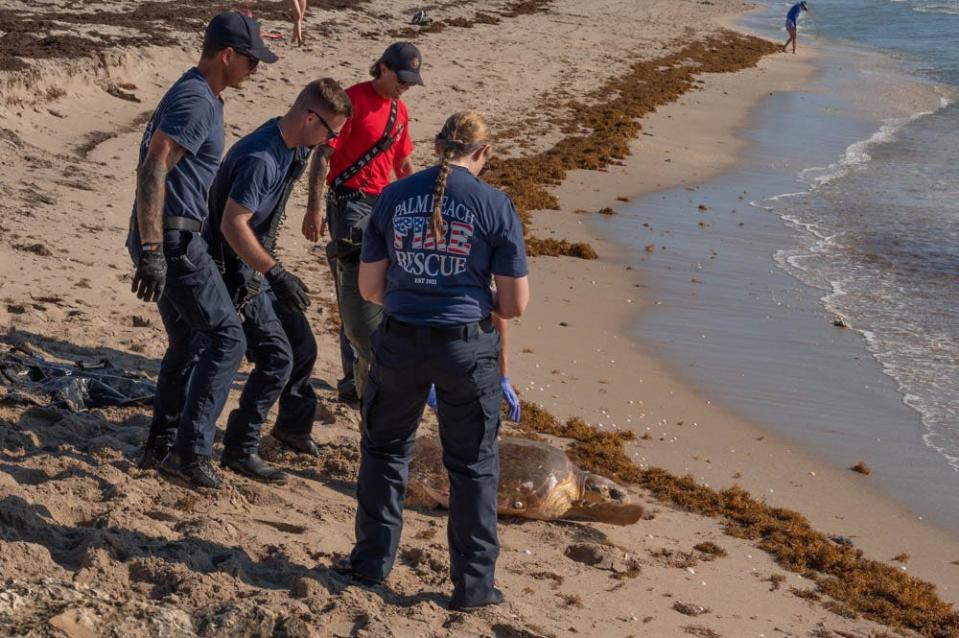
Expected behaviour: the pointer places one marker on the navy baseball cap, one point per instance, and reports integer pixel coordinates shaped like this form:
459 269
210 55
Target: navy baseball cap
405 59
240 32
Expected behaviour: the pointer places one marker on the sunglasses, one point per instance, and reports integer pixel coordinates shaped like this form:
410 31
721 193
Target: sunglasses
401 82
330 133
252 60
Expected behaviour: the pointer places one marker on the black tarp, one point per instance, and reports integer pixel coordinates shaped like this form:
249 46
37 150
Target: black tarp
79 386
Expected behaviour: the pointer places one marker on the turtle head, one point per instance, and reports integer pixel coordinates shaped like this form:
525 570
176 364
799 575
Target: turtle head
599 489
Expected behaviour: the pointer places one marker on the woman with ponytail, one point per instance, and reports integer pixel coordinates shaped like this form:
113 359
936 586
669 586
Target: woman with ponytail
436 243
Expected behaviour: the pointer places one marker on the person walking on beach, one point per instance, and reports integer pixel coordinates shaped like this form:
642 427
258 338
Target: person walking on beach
247 203
179 155
356 166
298 13
435 243
792 19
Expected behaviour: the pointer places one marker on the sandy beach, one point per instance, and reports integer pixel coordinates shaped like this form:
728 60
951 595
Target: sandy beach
92 546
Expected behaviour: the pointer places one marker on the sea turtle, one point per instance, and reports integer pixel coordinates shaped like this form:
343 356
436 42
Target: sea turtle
536 481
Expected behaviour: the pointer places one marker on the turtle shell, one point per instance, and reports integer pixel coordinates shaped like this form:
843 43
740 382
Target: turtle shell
536 479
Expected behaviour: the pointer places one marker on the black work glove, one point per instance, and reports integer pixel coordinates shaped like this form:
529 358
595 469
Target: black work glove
289 290
150 275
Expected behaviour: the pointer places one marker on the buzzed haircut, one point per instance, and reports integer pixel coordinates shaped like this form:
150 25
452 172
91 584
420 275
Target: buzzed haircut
326 94
211 48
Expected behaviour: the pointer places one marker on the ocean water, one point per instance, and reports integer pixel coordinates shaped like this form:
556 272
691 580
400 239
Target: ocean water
879 226
836 209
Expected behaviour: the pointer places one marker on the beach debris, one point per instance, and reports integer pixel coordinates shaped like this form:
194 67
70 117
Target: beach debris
605 557
702 632
420 18
842 573
711 550
571 600
862 468
606 210
36 249
901 557
557 579
622 198
650 248
122 91
702 208
31 379
845 541
690 609
839 322
609 119
805 594
537 481
775 581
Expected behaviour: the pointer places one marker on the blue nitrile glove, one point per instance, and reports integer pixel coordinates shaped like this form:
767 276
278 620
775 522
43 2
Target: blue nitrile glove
509 395
431 398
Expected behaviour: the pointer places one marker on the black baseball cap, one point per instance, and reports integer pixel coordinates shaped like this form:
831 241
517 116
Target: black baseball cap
405 59
240 32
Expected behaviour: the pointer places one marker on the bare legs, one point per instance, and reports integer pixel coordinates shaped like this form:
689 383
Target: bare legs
791 40
298 12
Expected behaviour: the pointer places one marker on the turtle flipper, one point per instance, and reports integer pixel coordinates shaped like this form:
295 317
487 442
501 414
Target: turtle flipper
420 494
612 513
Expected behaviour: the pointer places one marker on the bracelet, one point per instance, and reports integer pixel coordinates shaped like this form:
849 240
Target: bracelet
151 247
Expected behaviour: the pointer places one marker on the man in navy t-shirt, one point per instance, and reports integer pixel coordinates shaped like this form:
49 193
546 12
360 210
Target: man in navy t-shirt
247 204
179 155
792 19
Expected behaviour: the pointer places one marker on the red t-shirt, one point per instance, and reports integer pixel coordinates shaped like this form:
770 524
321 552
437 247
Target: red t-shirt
371 111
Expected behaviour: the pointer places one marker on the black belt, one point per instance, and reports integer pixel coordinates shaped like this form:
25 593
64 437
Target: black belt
182 223
345 194
465 331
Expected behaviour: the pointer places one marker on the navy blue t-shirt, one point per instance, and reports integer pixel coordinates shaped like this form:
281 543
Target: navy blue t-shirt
446 284
793 14
193 118
254 172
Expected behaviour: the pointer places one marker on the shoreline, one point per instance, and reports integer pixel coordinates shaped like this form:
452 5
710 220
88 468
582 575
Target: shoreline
777 468
278 543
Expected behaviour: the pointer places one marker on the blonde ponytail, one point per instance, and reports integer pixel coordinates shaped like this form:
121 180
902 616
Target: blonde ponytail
439 190
462 134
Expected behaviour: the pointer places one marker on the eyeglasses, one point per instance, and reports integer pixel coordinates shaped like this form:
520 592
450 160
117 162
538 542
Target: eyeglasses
253 62
330 133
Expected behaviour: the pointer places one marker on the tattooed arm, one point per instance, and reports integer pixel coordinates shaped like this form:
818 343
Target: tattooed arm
161 157
314 222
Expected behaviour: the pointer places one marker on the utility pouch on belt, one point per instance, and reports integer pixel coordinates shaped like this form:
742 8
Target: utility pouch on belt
242 282
345 250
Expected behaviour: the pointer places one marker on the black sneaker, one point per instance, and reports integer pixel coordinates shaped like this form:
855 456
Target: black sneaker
495 598
302 443
253 466
196 473
153 454
344 567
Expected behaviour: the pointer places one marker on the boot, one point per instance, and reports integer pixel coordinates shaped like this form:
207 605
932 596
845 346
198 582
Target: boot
253 466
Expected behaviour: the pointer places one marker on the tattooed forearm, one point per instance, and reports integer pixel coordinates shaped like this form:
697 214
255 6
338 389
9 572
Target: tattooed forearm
319 167
151 193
